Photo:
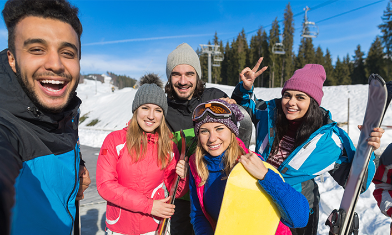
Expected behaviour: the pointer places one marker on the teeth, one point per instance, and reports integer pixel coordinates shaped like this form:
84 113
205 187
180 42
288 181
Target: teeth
52 81
214 146
292 110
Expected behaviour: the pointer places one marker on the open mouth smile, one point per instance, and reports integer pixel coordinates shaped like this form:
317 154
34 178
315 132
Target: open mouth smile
53 86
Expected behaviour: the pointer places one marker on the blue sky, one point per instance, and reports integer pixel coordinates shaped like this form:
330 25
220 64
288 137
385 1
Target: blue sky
135 37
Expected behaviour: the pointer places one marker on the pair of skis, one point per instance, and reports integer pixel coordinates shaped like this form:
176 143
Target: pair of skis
345 221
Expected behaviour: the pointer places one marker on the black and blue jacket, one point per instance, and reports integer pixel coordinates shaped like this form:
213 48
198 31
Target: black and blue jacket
39 162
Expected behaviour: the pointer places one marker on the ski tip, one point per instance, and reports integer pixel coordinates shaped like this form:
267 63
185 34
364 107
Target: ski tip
376 77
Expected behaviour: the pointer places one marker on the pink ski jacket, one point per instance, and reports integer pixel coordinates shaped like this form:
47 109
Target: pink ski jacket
281 230
130 188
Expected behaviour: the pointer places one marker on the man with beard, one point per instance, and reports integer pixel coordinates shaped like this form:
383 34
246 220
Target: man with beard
185 90
41 172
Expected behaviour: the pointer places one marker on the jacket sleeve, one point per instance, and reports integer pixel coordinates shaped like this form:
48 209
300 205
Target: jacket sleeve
107 181
10 164
171 175
383 182
342 166
201 226
292 205
243 97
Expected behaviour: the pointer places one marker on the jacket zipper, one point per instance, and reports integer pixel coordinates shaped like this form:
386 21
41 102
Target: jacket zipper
69 197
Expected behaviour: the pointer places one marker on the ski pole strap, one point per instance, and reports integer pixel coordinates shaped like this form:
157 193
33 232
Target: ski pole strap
335 221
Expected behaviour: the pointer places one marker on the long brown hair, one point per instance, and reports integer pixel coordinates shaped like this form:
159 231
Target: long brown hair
137 142
229 159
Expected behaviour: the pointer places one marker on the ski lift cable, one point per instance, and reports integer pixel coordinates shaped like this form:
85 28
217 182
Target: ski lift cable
298 14
319 6
345 12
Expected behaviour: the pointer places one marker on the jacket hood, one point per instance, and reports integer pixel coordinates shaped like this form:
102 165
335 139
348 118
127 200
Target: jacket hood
14 100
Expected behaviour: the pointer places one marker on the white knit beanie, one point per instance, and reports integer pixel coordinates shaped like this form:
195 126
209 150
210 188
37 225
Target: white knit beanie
183 54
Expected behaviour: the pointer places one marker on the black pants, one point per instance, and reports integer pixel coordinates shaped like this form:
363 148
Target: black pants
311 227
180 223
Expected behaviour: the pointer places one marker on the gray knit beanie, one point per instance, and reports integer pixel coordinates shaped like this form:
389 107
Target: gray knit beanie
183 54
150 93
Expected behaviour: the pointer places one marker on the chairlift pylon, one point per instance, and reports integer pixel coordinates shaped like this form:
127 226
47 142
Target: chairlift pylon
310 29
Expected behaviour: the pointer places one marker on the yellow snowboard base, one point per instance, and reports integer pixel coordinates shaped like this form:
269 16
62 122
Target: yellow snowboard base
246 208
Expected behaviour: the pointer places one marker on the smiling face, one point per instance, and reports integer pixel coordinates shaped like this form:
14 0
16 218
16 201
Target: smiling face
183 79
46 61
149 117
215 138
295 104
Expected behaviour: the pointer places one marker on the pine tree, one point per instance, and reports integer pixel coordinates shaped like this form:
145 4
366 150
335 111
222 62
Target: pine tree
288 42
319 56
216 71
386 30
342 72
275 59
225 65
300 58
309 51
329 70
359 74
375 59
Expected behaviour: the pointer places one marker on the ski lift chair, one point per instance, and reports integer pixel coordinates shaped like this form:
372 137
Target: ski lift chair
310 30
278 49
218 56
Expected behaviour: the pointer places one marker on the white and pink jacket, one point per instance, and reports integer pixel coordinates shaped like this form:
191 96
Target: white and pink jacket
130 188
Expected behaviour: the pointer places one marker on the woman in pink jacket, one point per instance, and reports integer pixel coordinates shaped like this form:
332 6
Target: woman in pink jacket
134 164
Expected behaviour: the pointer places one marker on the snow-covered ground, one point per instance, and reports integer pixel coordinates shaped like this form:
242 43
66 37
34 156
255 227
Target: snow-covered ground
113 110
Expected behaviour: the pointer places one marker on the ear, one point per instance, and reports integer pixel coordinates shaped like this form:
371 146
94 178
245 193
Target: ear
11 60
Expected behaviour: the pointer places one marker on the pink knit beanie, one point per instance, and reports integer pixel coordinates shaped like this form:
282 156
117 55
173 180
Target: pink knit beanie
309 79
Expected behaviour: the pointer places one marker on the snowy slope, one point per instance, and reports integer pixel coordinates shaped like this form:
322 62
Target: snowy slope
113 110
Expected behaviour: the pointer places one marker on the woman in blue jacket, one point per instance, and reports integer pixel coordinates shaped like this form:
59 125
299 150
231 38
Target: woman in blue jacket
298 137
216 154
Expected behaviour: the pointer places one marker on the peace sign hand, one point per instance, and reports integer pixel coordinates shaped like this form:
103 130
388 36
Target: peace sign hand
248 75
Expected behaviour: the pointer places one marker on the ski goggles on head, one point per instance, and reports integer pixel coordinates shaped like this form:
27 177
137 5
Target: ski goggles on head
215 109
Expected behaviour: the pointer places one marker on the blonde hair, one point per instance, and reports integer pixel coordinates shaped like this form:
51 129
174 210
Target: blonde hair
229 159
136 141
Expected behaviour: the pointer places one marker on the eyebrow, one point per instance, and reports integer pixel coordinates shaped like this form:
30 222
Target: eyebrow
42 41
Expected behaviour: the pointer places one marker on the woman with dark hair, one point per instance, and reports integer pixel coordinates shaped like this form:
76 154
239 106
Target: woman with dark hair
298 137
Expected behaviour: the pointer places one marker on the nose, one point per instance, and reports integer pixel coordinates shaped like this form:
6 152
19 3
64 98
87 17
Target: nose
213 137
183 80
53 62
150 114
292 101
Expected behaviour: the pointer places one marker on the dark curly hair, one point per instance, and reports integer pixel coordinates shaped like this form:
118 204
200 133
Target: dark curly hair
16 10
171 94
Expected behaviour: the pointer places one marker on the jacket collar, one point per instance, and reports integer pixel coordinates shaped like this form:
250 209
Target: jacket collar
186 107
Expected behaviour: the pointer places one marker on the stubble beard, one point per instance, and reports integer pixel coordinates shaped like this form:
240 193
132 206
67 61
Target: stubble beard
29 91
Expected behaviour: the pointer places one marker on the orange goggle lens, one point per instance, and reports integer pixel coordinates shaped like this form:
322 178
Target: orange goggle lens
215 108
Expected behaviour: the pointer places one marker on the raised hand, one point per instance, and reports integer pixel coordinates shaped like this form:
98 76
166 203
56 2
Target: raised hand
248 75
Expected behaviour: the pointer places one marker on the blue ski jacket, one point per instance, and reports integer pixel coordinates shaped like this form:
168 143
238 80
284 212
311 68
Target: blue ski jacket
329 149
292 205
39 162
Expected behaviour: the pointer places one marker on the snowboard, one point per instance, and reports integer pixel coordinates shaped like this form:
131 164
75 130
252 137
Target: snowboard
345 221
245 128
246 208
